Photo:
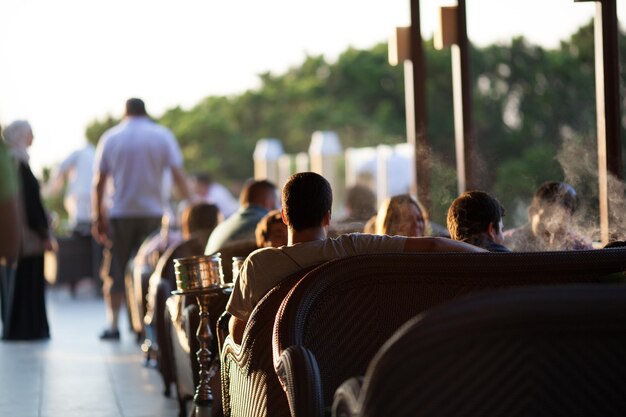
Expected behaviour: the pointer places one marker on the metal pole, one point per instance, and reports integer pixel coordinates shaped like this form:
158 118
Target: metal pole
462 73
607 106
463 104
416 108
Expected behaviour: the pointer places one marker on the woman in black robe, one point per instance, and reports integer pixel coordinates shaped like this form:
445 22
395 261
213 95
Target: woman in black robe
26 317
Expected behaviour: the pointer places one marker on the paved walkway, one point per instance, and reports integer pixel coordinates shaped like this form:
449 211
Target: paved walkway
74 373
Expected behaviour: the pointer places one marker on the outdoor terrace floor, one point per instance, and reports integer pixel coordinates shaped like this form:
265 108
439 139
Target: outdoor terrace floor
74 373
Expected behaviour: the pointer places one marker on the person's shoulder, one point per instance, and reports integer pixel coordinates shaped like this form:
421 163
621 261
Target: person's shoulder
87 151
70 160
111 136
162 130
517 231
113 131
520 239
366 237
266 255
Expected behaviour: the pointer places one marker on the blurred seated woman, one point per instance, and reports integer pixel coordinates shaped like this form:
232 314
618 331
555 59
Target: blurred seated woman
360 206
401 215
271 231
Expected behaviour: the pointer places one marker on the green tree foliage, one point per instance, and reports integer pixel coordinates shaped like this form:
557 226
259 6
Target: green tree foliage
527 103
96 128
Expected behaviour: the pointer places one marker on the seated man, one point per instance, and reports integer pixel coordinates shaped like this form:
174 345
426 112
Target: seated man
307 200
550 216
256 199
476 217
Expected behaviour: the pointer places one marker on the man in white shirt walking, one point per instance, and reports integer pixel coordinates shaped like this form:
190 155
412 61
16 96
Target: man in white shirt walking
135 154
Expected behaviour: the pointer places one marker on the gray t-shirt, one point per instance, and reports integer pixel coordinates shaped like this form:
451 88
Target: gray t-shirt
267 267
137 153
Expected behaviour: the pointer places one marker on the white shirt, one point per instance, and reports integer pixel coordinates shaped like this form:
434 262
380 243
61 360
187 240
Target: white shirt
265 268
78 169
222 198
136 153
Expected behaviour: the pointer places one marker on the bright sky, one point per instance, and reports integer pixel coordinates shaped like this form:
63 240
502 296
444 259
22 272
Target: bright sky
66 62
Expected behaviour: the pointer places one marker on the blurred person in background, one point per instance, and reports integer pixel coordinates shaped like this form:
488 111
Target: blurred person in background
9 221
76 171
26 316
210 191
550 222
257 198
360 206
401 215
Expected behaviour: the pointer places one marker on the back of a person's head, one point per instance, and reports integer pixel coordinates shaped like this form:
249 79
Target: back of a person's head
200 216
388 219
259 193
471 213
555 193
17 132
307 198
135 107
264 228
361 202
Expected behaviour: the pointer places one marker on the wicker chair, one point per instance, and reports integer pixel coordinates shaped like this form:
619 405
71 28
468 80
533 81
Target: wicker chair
250 387
537 351
162 282
338 316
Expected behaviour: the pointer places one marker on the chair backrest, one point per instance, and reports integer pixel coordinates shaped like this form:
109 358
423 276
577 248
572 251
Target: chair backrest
165 266
157 298
538 351
343 311
247 370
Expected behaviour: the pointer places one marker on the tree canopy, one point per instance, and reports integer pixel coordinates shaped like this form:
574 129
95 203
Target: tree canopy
533 113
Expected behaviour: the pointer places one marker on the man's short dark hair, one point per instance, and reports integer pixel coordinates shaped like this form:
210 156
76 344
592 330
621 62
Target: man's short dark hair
554 192
472 213
135 107
307 197
256 192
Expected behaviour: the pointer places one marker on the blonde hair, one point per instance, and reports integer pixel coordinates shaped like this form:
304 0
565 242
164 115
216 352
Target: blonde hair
387 217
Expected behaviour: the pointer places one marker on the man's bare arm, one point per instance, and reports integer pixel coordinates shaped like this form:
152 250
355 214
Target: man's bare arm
100 225
438 244
180 178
